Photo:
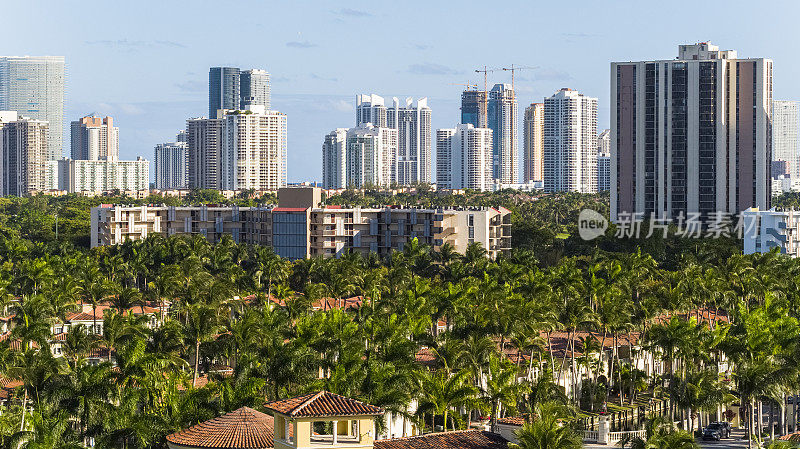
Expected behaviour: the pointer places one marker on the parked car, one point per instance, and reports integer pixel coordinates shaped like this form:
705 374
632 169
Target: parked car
716 431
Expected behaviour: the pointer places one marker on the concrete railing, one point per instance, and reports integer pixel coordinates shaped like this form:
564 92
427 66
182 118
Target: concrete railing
590 436
614 437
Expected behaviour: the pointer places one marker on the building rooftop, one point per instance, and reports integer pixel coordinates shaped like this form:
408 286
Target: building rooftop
322 403
244 428
465 439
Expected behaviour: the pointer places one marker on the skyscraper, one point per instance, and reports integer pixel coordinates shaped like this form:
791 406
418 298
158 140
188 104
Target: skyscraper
412 120
570 142
533 138
464 158
95 139
34 87
171 164
224 91
203 145
334 159
502 112
473 108
692 134
604 161
413 124
370 153
254 88
24 149
603 172
370 109
253 154
785 120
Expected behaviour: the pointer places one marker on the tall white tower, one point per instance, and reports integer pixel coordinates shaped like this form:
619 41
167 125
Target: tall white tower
570 142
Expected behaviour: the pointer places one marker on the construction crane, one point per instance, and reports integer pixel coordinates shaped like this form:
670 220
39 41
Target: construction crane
513 69
485 72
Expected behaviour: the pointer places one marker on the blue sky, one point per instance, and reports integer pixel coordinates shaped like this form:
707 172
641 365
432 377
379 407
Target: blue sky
146 62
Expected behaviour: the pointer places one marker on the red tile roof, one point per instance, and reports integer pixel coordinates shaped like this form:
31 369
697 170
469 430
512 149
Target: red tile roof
512 421
244 428
791 437
289 209
465 439
322 403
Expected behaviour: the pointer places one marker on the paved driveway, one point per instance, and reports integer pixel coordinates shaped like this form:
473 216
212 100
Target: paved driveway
734 442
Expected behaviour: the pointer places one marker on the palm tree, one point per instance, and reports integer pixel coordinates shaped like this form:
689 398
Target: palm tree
545 430
49 429
442 391
94 288
78 343
202 326
85 392
502 389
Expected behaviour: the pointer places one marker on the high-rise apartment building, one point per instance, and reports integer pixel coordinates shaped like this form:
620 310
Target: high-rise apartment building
371 109
103 175
171 164
570 142
359 157
412 120
413 124
502 117
24 148
241 149
464 158
473 108
204 145
604 161
253 152
533 143
224 91
604 141
302 227
692 134
254 89
95 139
785 121
334 159
603 172
33 86
370 153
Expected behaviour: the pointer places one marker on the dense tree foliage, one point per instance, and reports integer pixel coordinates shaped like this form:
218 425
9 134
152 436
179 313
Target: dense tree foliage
462 336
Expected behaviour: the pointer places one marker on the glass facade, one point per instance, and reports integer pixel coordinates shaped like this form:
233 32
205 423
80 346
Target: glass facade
223 89
34 87
290 234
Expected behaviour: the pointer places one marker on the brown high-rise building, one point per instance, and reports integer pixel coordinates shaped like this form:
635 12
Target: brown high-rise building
95 139
533 142
691 135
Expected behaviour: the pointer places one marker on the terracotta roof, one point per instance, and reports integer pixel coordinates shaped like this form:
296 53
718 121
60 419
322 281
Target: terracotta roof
242 428
512 421
322 403
7 387
791 437
465 439
425 356
289 209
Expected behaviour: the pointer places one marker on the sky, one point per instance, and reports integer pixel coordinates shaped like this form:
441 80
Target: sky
146 62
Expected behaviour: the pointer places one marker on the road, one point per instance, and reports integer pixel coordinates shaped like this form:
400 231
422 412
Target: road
735 442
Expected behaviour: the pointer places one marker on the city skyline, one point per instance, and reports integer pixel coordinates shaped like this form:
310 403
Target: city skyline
315 90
